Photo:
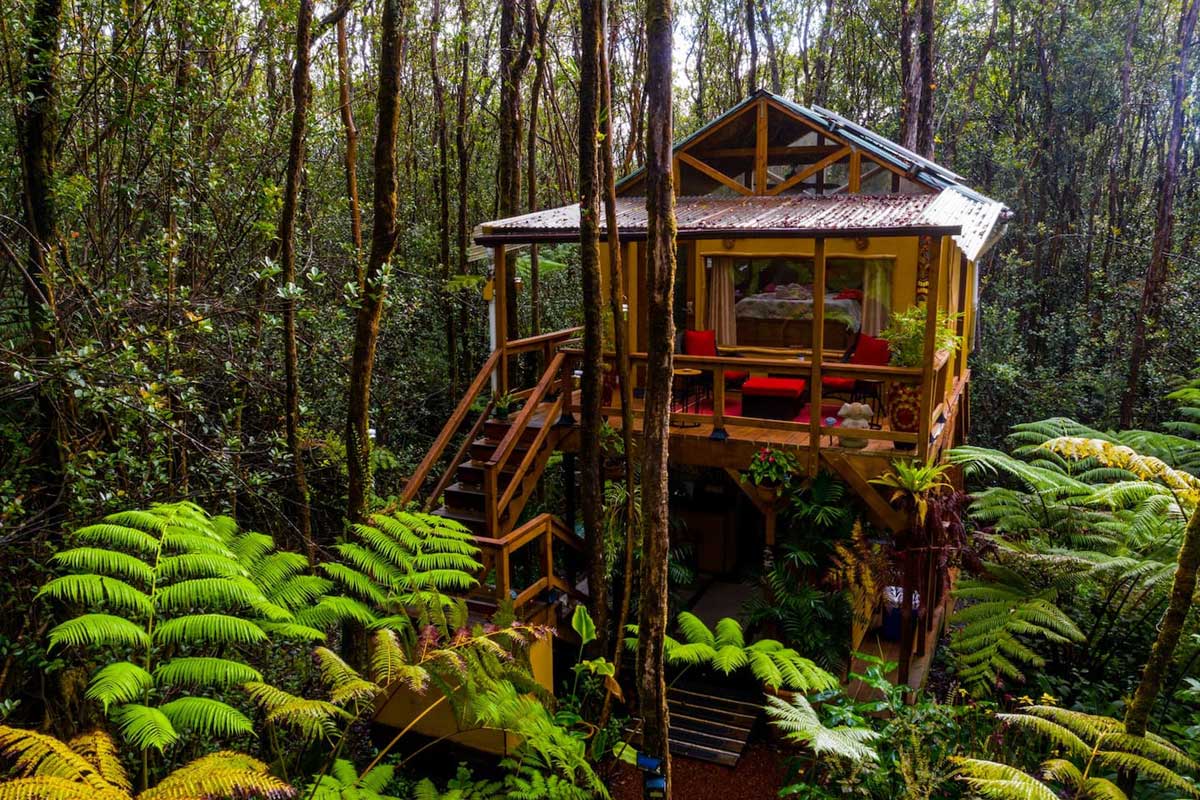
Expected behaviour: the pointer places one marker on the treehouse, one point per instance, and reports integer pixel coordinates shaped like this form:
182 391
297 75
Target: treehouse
804 240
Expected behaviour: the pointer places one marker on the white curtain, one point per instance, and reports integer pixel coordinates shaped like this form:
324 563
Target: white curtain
720 301
877 295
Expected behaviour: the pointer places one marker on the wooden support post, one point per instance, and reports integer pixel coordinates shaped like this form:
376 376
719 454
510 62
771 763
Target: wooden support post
760 150
503 576
491 499
568 464
548 555
854 180
566 388
500 316
906 615
930 249
718 412
818 351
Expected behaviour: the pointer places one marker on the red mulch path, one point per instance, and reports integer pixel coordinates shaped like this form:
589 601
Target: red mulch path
758 776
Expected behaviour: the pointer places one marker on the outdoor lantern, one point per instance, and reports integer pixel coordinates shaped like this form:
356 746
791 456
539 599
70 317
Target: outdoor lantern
625 310
517 282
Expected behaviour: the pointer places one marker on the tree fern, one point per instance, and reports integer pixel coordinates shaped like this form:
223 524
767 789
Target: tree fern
1091 748
800 723
172 579
726 651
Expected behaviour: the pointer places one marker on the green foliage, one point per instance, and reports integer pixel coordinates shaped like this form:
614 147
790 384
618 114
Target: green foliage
1094 749
905 335
800 723
771 467
725 650
150 583
89 766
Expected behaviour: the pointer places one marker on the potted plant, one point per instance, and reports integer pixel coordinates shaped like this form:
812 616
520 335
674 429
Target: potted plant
502 405
905 335
770 470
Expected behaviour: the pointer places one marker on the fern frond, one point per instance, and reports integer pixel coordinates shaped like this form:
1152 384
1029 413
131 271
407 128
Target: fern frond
997 781
207 717
358 583
197 671
205 593
117 683
98 629
99 590
222 774
118 537
345 684
106 562
800 723
199 565
99 750
145 727
215 628
49 787
31 754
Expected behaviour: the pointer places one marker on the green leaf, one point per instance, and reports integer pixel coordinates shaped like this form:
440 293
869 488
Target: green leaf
96 590
145 727
215 628
121 682
194 671
581 622
207 717
98 629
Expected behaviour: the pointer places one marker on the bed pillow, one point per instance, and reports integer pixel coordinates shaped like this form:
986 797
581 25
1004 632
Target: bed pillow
850 294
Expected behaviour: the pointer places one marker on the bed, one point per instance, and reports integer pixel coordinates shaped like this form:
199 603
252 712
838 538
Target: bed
783 318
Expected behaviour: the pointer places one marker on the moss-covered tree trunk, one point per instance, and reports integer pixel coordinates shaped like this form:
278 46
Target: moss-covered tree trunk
591 487
286 245
660 283
383 244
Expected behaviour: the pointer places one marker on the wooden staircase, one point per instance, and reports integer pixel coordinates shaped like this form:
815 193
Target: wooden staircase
709 723
487 482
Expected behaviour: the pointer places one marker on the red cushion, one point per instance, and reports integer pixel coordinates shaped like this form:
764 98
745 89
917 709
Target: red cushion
774 387
700 343
850 294
871 351
735 376
838 384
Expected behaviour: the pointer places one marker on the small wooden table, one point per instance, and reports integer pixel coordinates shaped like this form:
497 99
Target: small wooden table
684 381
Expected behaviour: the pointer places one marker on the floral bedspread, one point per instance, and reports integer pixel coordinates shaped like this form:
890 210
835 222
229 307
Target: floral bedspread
771 306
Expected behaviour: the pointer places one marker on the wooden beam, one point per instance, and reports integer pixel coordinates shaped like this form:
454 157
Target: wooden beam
715 174
854 182
500 301
934 247
866 176
818 347
760 150
819 151
878 508
810 170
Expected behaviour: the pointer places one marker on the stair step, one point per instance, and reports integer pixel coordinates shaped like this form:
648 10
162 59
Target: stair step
465 497
707 727
475 522
482 449
497 429
470 473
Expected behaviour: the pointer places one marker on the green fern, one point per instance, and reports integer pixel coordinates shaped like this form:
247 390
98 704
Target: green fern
800 723
726 651
172 579
89 768
1091 748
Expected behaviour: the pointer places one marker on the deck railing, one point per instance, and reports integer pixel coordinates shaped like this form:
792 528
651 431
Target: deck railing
498 555
936 413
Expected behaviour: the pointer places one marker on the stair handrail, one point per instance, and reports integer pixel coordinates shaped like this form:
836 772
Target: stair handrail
500 456
459 455
418 478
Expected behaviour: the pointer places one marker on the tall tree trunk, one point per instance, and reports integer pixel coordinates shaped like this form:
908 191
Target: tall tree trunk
591 485
287 262
1164 228
443 145
514 59
910 80
351 155
925 59
383 244
1170 628
617 303
772 54
752 37
535 96
38 145
660 284
464 160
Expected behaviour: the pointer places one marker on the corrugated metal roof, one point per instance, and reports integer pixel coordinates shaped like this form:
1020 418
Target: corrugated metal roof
981 219
784 215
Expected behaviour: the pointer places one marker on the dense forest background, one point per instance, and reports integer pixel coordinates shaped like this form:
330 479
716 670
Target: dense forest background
153 360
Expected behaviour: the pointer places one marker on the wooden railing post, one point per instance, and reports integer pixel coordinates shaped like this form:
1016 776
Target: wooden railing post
491 497
503 575
932 303
500 315
566 385
818 352
718 431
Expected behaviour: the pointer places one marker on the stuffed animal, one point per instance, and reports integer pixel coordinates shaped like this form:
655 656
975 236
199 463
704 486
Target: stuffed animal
855 416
